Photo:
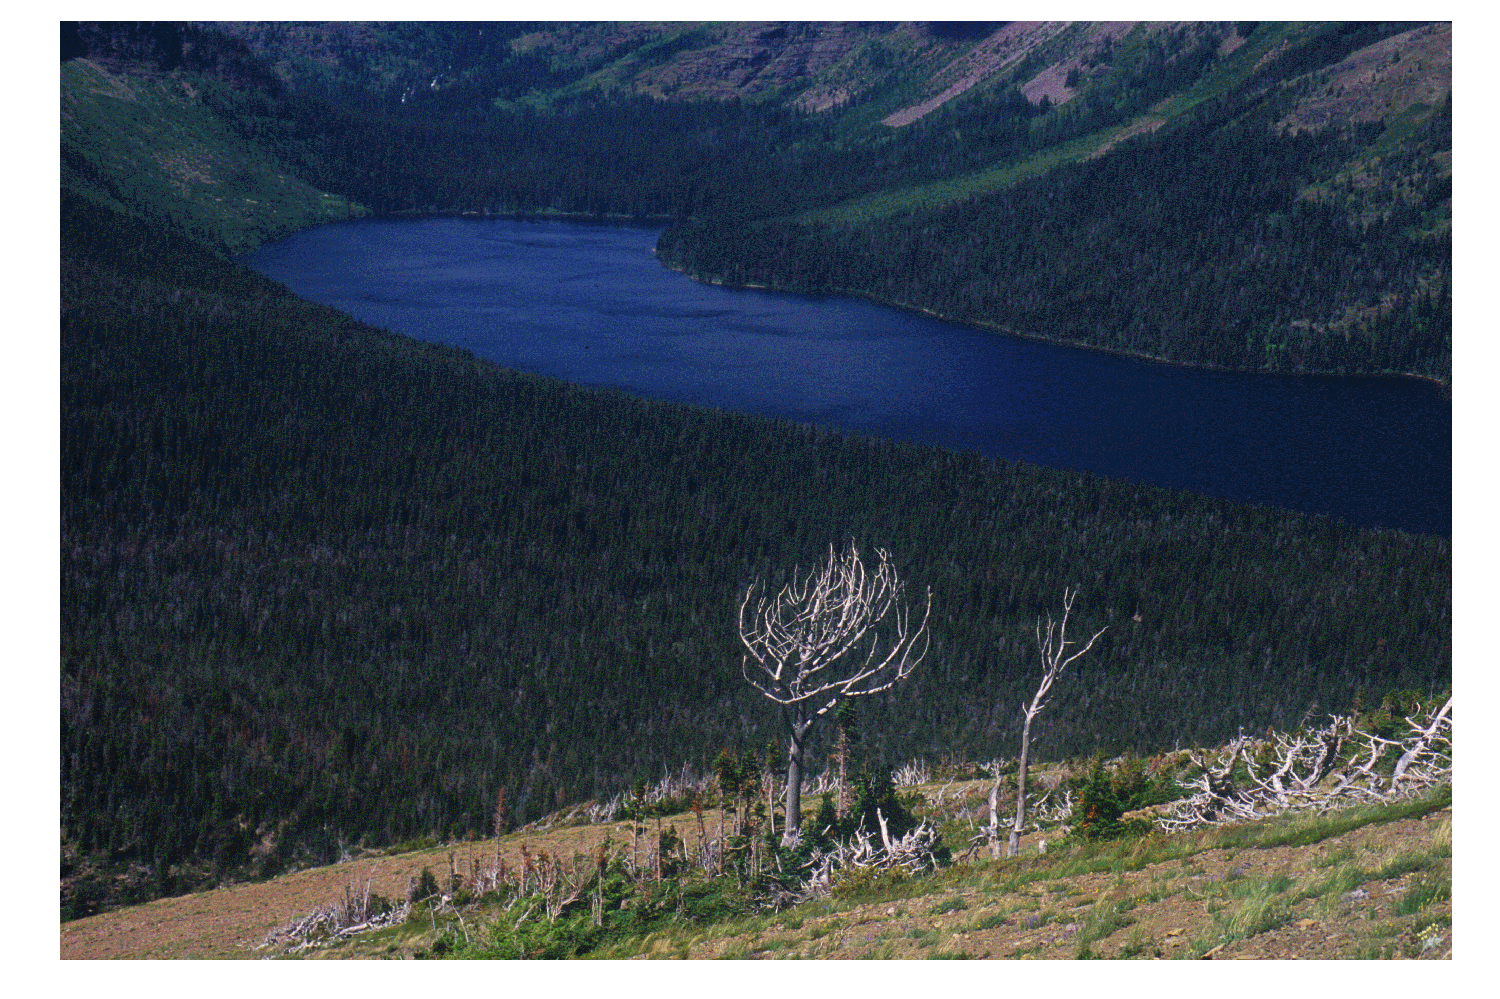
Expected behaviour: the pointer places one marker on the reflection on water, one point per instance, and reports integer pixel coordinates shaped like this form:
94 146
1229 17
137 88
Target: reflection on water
589 303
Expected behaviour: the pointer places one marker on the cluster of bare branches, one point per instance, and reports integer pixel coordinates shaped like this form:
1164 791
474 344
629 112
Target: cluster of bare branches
538 885
839 632
826 782
912 853
832 781
911 774
554 884
683 784
1051 809
359 911
1320 769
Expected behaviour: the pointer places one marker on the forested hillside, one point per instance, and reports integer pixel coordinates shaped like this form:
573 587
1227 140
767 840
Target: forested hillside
1252 195
1195 246
1222 231
323 585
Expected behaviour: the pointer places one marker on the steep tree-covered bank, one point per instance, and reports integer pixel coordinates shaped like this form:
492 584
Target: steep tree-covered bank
1196 246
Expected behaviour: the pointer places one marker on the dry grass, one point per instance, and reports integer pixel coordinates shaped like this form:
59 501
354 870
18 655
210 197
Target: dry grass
1302 888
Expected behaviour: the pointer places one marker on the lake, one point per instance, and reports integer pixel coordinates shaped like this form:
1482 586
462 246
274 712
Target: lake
590 304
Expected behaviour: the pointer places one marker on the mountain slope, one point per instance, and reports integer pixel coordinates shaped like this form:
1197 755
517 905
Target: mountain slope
141 144
1377 883
1246 219
323 585
858 147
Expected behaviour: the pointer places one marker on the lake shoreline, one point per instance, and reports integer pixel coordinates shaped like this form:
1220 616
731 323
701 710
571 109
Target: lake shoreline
1042 338
590 302
619 219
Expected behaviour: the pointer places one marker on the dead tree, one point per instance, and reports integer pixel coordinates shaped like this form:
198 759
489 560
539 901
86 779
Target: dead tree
912 853
1422 763
836 633
1052 646
1317 769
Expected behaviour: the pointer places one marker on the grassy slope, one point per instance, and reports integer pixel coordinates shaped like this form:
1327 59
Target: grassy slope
1363 883
130 141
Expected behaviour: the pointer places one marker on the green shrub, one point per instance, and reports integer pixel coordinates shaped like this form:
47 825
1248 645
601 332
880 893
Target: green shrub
426 886
412 845
875 792
1098 809
1104 796
533 939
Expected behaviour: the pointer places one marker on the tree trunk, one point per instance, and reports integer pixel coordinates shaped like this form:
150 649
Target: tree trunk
993 830
841 807
1014 845
793 823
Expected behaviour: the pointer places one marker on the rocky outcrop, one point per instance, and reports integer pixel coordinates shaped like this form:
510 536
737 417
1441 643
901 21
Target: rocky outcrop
1001 49
752 59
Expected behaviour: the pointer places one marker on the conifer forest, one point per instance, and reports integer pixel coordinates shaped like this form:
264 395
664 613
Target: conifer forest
325 586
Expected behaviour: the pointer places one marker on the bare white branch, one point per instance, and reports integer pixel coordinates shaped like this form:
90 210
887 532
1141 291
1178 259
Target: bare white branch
1052 647
838 632
1320 770
818 620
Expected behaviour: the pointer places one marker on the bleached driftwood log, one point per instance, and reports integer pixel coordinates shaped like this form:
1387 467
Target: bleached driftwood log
359 911
1428 758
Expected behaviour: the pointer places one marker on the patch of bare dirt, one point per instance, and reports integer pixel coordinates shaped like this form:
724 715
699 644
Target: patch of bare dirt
231 922
750 58
1382 80
1052 82
1004 47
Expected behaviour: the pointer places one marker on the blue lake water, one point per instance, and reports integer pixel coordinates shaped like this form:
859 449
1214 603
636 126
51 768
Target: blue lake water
590 304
